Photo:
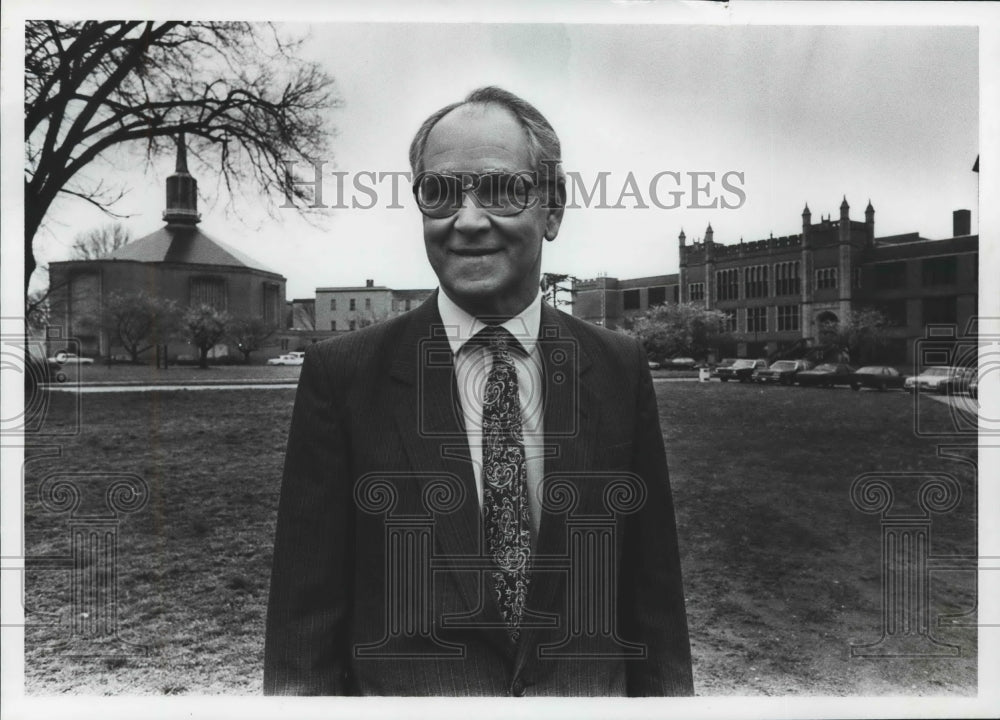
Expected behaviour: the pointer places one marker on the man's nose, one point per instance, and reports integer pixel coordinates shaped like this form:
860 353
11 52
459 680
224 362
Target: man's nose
471 218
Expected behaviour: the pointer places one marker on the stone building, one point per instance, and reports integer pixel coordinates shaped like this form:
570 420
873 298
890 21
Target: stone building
783 293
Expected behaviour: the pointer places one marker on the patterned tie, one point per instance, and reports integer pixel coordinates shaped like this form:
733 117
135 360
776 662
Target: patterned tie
506 514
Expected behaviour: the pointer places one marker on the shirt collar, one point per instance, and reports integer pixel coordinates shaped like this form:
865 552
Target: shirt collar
460 326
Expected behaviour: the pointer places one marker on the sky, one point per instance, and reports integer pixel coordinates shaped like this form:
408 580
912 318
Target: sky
789 115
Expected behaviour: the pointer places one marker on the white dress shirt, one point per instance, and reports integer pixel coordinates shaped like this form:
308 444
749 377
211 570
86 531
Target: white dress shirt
472 367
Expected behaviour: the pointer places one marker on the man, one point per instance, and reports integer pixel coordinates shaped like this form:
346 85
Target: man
475 498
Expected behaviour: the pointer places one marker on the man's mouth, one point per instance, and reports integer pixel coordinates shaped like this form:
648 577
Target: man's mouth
474 252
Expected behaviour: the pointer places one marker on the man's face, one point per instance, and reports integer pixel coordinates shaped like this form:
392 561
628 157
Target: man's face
487 264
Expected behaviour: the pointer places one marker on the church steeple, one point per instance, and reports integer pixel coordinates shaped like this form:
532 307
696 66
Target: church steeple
182 191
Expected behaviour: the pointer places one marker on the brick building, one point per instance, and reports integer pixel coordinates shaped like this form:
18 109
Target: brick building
351 308
781 292
178 262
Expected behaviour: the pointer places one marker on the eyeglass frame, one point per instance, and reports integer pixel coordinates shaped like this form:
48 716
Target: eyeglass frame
471 181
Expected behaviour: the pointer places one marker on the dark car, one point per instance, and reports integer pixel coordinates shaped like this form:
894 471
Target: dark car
741 370
826 375
724 363
880 377
781 371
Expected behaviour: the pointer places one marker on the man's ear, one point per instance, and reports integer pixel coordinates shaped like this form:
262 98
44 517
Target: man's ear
552 222
554 215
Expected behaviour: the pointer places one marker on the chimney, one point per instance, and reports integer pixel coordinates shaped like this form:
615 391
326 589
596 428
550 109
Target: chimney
961 223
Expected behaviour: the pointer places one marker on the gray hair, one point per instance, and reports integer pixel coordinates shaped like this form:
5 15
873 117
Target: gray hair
544 148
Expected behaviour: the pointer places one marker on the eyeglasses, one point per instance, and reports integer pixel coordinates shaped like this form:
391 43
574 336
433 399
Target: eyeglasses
440 195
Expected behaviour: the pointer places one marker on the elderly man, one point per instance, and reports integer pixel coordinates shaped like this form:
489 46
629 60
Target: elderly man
475 497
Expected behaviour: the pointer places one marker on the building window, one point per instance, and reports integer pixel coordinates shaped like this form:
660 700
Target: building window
284 344
826 278
757 319
786 278
696 291
395 305
788 317
352 325
894 311
270 301
940 310
333 324
368 303
856 277
889 276
630 300
209 291
727 284
407 304
657 295
755 281
353 305
333 304
729 323
940 270
677 293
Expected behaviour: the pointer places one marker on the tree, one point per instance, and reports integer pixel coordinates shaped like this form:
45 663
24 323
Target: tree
204 327
679 329
37 310
137 321
249 335
553 283
860 337
246 101
100 242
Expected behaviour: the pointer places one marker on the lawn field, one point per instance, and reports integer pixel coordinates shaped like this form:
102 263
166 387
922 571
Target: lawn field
782 572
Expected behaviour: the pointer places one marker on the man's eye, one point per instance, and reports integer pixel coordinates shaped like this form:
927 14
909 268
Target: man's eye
439 190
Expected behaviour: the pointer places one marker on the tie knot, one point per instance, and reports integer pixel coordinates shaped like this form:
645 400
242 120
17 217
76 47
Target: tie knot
495 337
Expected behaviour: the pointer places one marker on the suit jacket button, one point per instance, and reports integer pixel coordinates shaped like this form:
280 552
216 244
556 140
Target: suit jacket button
517 689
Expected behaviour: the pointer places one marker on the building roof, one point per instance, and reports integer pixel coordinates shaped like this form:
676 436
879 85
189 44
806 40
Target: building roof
411 294
184 244
926 248
354 288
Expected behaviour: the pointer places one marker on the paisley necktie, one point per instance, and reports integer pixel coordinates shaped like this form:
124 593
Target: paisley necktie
506 513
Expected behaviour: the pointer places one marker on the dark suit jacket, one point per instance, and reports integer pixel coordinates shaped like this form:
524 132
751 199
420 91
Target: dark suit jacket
377 586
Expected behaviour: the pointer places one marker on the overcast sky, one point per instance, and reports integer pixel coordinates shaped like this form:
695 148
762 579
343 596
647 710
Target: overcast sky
803 114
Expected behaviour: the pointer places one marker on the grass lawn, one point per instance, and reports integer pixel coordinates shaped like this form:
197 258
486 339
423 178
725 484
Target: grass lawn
782 573
121 373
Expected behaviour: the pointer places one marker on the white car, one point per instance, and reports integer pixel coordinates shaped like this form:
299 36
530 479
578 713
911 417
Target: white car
68 358
292 358
939 380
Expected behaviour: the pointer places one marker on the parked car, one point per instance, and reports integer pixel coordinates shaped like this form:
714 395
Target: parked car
680 363
941 380
724 363
292 358
742 369
781 371
880 377
826 375
68 358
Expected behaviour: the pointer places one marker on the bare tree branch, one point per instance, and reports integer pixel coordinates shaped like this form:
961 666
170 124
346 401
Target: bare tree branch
238 90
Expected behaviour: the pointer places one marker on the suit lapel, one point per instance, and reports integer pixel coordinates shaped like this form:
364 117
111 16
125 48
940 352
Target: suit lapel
571 415
428 417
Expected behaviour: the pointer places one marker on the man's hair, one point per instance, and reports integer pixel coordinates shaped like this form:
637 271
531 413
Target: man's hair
544 149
